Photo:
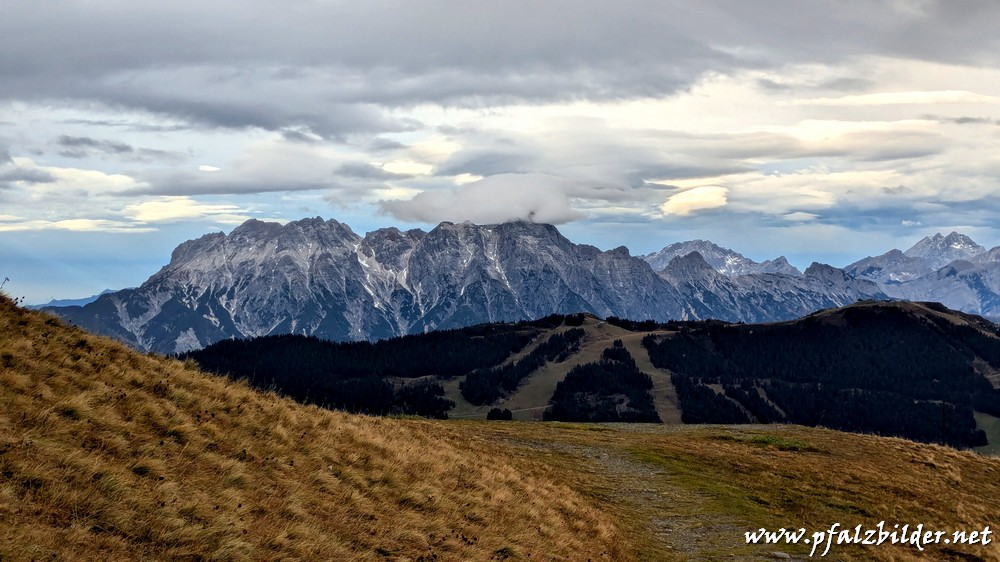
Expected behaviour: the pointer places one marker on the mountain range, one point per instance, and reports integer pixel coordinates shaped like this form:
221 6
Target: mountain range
952 270
723 260
318 277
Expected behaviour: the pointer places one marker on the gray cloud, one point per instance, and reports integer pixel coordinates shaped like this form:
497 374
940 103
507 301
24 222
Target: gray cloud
262 105
863 146
600 156
500 198
26 175
488 161
971 214
891 145
773 85
362 170
129 125
963 120
182 183
87 147
380 144
976 120
11 173
276 166
80 147
330 67
298 135
842 84
846 84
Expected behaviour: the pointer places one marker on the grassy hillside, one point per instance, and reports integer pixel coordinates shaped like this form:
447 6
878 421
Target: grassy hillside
692 492
109 454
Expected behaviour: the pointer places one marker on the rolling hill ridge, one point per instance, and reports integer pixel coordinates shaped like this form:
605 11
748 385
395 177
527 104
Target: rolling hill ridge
915 370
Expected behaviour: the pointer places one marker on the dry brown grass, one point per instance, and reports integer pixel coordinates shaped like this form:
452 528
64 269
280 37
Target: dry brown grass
109 454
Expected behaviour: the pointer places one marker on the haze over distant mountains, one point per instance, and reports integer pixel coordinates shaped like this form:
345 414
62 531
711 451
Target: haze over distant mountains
70 302
319 278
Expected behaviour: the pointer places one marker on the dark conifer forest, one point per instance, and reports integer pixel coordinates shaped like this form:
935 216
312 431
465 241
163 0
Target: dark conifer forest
610 390
876 369
373 377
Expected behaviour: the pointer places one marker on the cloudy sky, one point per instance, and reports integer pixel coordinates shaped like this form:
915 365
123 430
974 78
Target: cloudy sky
822 130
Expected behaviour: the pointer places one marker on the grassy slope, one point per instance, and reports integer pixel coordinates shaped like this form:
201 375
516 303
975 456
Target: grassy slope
465 409
991 425
531 398
695 490
108 454
664 393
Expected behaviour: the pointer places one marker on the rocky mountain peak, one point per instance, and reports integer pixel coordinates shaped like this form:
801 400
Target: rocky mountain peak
691 263
778 265
939 250
822 270
990 256
723 260
194 247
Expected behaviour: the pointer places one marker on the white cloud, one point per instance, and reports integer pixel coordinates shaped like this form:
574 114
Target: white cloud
462 179
74 225
408 167
170 209
71 179
695 199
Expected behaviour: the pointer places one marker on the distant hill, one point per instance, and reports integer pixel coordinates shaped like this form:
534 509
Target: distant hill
915 370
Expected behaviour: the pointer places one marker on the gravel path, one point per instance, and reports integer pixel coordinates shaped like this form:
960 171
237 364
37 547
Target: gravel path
674 514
